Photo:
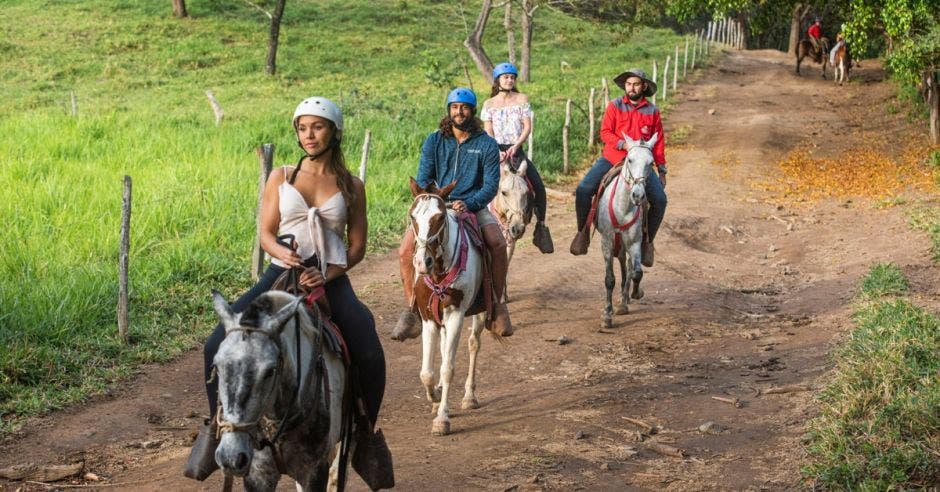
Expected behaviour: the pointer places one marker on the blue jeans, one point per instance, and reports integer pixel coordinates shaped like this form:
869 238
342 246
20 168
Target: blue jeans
584 194
352 317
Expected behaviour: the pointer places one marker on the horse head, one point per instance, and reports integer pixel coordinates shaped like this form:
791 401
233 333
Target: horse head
637 166
248 365
513 199
429 222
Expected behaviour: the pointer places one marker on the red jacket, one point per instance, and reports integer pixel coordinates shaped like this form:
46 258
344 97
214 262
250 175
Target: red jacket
814 31
635 121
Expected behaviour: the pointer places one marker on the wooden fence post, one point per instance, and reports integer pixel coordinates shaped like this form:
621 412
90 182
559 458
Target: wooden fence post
564 135
265 161
666 78
216 108
74 103
365 156
606 91
591 118
685 60
124 262
654 79
694 49
675 70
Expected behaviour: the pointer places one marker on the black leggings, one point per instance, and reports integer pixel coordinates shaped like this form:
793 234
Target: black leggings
535 178
352 317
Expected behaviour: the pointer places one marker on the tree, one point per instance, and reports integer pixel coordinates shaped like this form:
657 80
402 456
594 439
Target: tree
912 28
527 24
474 42
271 65
179 8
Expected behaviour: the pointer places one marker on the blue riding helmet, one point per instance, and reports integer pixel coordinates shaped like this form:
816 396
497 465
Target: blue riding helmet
504 68
462 95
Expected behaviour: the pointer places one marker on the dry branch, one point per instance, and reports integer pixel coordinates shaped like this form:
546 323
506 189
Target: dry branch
736 403
791 388
41 473
667 450
649 429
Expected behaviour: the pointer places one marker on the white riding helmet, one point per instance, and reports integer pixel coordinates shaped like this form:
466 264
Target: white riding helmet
322 107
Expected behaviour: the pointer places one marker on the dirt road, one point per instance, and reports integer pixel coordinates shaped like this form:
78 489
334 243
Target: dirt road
746 294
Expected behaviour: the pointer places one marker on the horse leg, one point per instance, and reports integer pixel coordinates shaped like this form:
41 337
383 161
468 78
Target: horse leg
453 321
473 342
429 336
624 306
636 270
510 248
798 60
609 282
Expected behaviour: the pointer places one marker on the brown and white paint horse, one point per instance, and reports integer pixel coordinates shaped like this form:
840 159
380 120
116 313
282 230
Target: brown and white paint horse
448 276
841 62
512 207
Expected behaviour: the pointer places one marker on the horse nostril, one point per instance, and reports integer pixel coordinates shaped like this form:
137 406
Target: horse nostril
241 461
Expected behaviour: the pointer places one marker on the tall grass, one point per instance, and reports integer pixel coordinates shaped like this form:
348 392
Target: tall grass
879 425
139 77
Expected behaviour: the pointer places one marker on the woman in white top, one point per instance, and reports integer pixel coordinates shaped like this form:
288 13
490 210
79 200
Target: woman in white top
507 117
323 206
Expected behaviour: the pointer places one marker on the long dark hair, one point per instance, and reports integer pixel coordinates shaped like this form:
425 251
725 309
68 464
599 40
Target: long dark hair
475 126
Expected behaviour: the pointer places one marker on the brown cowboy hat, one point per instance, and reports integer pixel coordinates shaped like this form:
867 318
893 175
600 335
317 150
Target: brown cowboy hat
635 72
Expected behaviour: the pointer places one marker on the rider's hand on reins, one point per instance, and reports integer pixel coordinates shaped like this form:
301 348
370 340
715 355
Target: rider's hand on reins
312 277
287 252
459 206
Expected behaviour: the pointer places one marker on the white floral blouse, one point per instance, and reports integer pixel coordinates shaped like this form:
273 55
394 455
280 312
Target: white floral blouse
507 121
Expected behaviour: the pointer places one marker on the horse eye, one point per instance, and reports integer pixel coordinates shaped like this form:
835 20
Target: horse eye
267 374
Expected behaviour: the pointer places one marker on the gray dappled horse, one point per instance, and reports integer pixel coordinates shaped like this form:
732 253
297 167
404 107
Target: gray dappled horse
512 207
620 221
259 390
448 277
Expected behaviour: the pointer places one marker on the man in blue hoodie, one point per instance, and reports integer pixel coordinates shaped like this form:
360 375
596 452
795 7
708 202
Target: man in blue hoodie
460 152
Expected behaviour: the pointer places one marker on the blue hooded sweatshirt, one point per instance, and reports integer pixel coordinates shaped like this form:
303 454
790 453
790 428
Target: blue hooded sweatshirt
473 164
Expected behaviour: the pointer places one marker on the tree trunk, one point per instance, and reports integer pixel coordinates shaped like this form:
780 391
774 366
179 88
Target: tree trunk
932 86
179 8
799 12
474 42
527 23
510 34
271 66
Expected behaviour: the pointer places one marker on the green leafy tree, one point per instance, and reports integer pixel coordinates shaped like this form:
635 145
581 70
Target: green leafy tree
912 32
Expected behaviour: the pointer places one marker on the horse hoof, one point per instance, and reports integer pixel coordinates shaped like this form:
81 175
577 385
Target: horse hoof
622 309
637 293
606 323
440 428
436 396
469 404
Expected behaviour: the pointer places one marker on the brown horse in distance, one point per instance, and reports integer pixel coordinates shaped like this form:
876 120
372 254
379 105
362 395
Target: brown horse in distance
806 49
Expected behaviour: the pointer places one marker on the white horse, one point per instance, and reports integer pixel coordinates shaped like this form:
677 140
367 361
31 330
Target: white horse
620 222
281 395
448 276
512 207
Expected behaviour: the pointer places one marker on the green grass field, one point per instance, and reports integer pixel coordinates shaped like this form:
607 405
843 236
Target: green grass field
139 77
879 428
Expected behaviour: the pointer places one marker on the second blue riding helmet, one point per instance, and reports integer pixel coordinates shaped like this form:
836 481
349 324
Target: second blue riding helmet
504 68
462 95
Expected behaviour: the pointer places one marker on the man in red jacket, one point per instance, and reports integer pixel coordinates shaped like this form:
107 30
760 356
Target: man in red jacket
815 32
634 116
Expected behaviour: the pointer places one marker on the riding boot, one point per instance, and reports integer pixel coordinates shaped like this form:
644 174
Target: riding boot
646 253
408 325
201 462
500 325
581 241
372 460
542 238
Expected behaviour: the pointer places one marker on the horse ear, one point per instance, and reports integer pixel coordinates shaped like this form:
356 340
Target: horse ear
522 168
415 189
222 308
275 322
443 192
629 142
652 141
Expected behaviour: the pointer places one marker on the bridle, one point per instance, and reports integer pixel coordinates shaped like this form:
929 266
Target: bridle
436 237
